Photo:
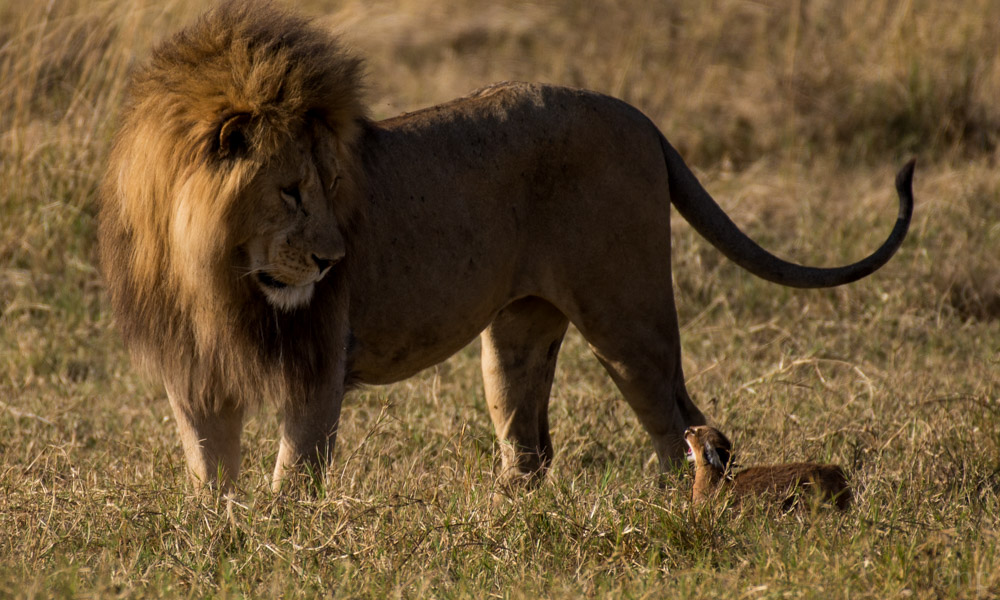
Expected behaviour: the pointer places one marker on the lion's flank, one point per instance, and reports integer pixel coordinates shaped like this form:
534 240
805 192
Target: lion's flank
212 105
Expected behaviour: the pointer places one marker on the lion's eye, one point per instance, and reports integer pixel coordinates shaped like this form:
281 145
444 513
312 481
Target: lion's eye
291 197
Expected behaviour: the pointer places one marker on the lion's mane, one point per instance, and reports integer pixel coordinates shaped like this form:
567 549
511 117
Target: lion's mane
173 208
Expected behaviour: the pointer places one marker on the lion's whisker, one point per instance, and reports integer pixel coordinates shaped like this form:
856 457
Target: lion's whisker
254 270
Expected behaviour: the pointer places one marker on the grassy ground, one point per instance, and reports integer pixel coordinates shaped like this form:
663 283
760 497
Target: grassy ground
795 114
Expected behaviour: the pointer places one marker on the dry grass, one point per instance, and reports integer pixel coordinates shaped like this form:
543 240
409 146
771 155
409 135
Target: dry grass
795 113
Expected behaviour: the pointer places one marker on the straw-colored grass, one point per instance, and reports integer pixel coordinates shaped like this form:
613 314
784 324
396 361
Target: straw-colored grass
796 114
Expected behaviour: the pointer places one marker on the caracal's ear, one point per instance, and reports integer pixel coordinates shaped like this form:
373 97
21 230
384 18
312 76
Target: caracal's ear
713 457
234 138
724 456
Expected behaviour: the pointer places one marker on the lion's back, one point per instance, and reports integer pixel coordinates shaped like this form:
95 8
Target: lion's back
519 111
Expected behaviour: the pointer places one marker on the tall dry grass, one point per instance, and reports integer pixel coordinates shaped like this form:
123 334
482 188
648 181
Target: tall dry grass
795 113
726 79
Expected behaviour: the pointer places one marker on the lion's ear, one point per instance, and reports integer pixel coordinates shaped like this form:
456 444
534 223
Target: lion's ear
331 154
233 136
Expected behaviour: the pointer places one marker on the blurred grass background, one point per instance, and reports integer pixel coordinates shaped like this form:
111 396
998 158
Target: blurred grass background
795 114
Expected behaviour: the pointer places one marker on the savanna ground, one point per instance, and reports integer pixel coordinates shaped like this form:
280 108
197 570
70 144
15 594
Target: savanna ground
796 115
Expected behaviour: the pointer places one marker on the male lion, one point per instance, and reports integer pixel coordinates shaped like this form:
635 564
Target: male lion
264 241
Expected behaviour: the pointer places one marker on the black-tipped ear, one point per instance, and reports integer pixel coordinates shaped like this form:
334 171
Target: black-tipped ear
713 457
233 136
723 456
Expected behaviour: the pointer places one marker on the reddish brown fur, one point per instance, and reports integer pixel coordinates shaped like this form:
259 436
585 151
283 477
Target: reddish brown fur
788 481
784 482
182 314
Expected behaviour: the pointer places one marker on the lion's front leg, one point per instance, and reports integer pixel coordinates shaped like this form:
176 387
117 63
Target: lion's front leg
211 439
308 432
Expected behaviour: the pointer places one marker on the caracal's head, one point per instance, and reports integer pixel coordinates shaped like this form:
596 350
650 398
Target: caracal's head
707 446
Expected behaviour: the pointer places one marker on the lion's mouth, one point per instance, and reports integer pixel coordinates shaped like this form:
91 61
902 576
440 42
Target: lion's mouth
270 282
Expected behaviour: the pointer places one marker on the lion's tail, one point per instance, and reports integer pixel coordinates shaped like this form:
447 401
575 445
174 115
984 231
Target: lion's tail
709 220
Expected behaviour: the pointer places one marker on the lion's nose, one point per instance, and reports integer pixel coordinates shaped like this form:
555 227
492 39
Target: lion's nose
324 264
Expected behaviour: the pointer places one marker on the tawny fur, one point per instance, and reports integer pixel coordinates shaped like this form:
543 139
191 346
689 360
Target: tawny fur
263 241
786 483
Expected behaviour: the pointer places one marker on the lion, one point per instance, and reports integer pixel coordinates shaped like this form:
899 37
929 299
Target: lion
264 241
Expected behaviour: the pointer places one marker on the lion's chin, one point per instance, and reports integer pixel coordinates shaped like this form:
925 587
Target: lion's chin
289 297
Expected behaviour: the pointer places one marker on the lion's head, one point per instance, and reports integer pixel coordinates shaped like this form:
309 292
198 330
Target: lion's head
293 238
227 197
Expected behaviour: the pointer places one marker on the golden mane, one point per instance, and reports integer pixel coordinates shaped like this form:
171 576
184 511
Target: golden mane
171 210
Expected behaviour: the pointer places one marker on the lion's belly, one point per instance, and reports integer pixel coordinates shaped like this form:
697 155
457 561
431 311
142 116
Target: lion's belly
395 349
377 366
408 314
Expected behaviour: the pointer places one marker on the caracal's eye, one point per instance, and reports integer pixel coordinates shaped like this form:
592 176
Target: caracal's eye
292 197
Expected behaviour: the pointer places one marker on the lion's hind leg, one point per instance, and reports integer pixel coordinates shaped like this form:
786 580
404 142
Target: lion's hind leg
643 358
519 360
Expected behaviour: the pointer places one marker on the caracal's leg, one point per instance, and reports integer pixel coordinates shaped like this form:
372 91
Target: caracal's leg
308 433
211 440
519 360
